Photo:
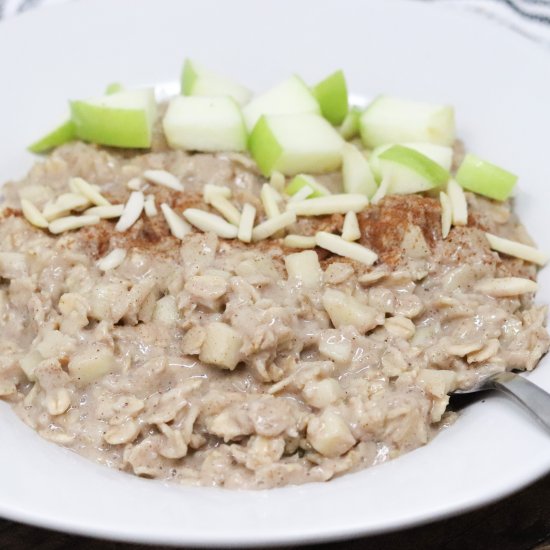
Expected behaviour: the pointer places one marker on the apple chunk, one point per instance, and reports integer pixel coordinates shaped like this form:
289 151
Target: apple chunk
291 96
292 144
199 81
350 126
304 180
123 119
356 172
205 124
409 171
62 134
392 120
484 178
440 154
332 95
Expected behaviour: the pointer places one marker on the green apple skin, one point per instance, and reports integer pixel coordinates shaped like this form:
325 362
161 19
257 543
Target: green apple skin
484 178
210 124
294 144
292 96
302 180
122 119
440 154
62 134
113 88
332 95
350 126
410 171
198 81
393 120
357 175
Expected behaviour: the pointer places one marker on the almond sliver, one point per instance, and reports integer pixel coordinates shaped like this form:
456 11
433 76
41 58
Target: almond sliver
71 222
178 226
163 178
271 226
337 245
350 229
333 204
446 214
299 241
89 191
247 223
506 286
106 212
132 211
210 190
205 221
518 250
458 203
32 214
226 209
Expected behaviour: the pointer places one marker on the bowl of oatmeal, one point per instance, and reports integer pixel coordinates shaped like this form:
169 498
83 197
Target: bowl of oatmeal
223 320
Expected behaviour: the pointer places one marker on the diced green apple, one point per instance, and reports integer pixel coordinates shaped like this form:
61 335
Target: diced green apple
350 127
295 143
356 172
113 88
484 178
303 180
62 134
291 96
332 95
204 124
409 171
392 120
122 119
199 81
438 153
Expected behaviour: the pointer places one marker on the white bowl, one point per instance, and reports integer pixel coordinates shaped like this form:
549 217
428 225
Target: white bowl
498 82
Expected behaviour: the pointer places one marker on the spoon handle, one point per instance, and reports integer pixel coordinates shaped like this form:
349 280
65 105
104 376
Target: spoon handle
533 398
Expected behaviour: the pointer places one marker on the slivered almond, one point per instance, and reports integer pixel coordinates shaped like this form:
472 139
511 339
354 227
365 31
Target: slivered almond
135 184
503 287
518 250
210 190
111 211
71 222
350 229
74 188
334 204
63 205
247 223
273 225
89 191
32 214
458 203
164 178
337 245
226 209
277 181
112 260
382 191
150 207
446 214
205 221
299 241
269 201
178 226
132 211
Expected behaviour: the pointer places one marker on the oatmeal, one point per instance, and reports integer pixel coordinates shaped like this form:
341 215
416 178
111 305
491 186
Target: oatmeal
172 352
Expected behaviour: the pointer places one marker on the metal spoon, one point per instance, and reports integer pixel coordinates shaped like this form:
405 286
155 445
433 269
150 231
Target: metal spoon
533 398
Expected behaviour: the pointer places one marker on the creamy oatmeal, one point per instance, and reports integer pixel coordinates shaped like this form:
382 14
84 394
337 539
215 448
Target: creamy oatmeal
218 362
